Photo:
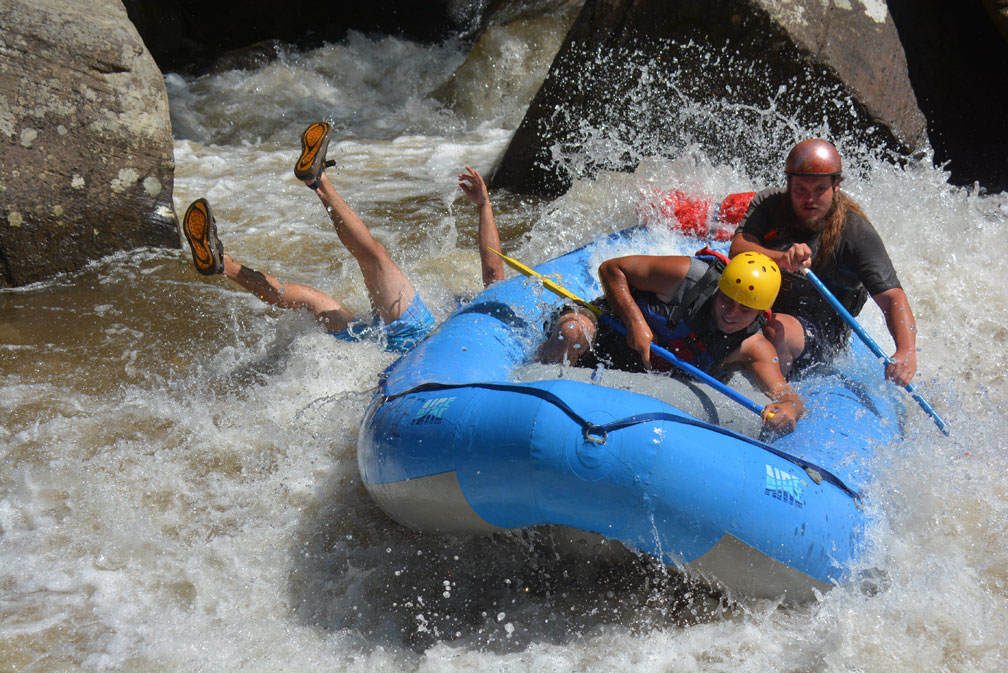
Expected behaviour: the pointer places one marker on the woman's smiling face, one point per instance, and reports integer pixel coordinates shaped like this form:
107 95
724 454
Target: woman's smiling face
731 316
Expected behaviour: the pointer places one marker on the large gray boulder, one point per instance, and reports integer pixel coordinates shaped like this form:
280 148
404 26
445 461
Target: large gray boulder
85 137
624 85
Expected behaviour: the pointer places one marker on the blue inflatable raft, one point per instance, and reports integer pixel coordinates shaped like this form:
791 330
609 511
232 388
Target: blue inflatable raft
455 442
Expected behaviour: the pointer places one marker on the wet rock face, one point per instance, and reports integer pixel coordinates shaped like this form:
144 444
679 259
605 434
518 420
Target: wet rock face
85 138
190 35
633 66
998 11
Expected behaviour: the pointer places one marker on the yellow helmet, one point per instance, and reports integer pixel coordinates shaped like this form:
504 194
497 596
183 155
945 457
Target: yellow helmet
752 279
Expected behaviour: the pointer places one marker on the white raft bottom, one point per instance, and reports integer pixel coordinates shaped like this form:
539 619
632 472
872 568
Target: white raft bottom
437 504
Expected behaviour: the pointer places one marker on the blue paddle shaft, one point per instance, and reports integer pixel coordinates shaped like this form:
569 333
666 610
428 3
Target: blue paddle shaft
556 288
873 346
669 357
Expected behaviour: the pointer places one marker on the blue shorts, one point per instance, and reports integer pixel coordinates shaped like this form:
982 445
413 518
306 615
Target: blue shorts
400 335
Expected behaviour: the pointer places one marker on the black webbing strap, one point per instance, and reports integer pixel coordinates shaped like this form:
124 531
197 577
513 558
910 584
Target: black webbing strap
593 432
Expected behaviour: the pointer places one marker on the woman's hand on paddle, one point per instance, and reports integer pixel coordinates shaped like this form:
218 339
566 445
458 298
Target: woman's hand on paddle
780 416
472 184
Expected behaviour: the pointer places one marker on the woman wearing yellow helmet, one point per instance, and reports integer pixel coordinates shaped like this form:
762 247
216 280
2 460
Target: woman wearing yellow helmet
707 314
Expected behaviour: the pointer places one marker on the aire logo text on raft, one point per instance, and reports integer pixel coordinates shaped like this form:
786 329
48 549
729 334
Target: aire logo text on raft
784 487
432 411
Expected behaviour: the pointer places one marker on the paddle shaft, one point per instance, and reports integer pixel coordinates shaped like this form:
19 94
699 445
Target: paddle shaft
662 353
873 346
672 359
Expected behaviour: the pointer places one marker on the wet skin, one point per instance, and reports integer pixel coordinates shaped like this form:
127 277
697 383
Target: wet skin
731 316
811 198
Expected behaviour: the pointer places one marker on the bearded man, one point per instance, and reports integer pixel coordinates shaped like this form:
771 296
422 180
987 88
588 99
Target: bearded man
811 223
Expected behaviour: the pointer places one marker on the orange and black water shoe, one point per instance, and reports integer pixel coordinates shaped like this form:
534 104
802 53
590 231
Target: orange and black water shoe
200 230
311 163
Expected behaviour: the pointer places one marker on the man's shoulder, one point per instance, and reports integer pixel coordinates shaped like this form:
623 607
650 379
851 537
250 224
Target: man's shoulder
764 210
765 204
770 194
858 220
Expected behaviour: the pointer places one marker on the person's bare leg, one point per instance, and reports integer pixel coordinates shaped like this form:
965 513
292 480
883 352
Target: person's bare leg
333 316
209 258
388 288
788 337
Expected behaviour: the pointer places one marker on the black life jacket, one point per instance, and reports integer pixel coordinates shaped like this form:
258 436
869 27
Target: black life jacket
799 297
685 326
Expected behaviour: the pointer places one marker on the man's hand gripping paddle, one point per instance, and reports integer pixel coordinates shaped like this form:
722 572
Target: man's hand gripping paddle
874 347
657 350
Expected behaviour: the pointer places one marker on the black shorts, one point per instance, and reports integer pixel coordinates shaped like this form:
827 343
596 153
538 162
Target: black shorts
822 345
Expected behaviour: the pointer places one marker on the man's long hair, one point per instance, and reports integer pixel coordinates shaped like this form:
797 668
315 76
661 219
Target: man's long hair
833 224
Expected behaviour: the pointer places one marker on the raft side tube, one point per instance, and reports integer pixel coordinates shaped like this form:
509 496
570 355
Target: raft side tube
511 460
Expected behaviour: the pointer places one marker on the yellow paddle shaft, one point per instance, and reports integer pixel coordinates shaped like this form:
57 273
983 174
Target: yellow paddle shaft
547 283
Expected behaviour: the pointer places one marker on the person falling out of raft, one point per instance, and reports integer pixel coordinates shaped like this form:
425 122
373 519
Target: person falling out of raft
399 317
811 223
705 312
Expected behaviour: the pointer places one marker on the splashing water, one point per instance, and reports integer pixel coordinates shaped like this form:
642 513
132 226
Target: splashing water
180 489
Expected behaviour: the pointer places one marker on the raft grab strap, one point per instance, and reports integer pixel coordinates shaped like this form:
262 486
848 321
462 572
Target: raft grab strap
597 434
